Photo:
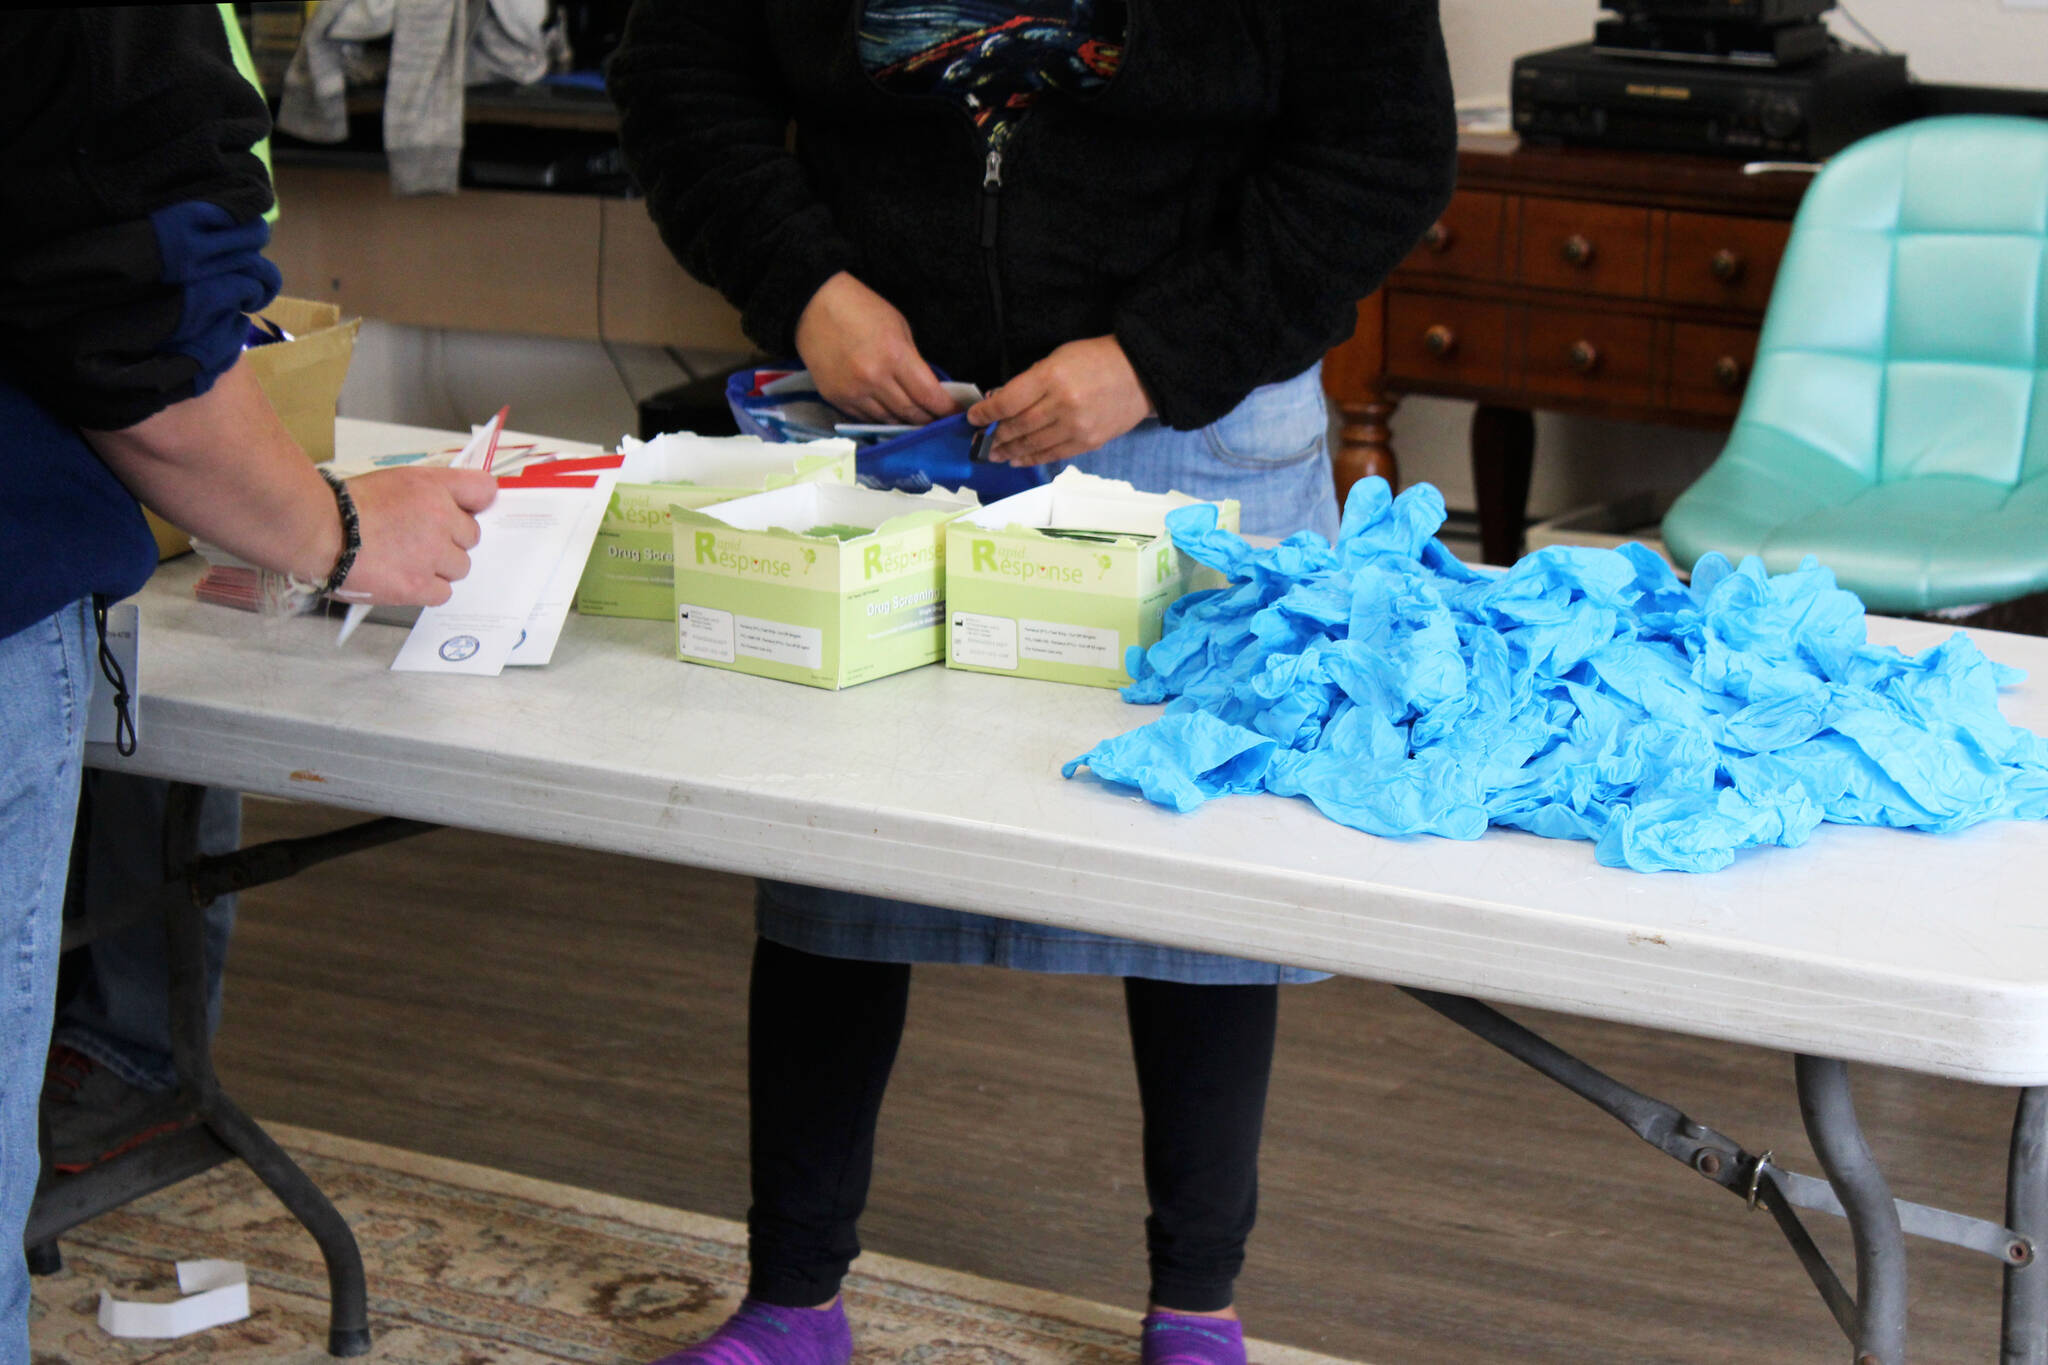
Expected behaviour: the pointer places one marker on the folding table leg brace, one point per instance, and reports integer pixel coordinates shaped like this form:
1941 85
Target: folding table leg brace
222 1131
1874 1317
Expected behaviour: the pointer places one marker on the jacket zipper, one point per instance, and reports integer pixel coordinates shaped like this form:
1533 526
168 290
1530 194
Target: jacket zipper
991 202
991 193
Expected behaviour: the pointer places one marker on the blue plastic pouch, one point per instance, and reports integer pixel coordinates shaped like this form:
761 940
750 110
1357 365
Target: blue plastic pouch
946 452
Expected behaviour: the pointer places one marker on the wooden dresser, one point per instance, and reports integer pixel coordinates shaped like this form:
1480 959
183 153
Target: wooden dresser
1616 284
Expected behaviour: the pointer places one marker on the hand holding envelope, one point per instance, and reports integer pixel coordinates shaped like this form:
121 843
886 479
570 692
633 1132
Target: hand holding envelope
477 455
523 569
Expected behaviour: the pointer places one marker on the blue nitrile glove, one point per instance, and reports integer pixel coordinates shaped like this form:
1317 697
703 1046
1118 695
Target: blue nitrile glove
1181 761
1584 694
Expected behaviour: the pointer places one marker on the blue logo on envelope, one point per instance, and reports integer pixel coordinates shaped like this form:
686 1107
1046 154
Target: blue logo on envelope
456 648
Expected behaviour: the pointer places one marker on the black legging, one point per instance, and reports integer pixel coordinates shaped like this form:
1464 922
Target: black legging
823 1034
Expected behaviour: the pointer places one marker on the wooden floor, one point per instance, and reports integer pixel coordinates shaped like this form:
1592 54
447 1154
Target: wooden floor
580 1018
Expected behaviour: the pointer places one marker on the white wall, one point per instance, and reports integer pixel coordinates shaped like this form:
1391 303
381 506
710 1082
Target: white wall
576 390
1960 42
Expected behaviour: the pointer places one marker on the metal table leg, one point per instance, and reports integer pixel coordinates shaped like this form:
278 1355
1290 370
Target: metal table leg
223 1131
348 1323
2024 1340
348 1330
1830 1118
1874 1317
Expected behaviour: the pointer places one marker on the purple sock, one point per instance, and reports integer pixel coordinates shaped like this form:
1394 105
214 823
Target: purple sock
766 1334
1184 1339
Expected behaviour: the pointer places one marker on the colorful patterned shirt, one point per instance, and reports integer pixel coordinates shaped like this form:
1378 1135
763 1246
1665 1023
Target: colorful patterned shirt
994 59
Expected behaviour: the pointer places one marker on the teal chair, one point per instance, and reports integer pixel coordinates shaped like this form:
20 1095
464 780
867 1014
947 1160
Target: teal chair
1896 424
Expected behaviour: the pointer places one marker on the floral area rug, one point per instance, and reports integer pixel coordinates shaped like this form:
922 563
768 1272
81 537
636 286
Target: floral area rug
470 1266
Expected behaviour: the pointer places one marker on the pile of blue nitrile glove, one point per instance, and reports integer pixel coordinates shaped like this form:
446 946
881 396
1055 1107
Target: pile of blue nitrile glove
1584 694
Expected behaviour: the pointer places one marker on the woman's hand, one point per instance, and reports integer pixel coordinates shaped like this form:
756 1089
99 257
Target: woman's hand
861 356
418 526
1082 396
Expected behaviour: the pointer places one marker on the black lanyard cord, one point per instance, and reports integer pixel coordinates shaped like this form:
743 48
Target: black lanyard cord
110 667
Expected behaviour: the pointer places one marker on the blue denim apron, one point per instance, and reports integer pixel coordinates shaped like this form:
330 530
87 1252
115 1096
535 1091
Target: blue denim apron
1270 453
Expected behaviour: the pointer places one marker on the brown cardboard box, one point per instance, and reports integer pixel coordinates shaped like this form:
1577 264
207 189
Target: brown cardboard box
301 377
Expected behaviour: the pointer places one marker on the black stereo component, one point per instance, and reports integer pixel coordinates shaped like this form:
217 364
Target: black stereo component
1723 11
1737 44
1574 95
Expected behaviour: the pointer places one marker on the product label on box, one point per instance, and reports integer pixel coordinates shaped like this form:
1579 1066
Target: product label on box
984 641
917 616
1055 642
702 633
779 642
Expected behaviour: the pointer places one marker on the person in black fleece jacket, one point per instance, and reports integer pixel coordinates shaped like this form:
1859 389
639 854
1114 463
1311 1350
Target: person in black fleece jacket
130 249
1141 225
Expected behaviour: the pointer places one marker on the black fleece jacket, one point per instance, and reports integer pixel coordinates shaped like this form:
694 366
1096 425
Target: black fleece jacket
130 234
110 115
1253 170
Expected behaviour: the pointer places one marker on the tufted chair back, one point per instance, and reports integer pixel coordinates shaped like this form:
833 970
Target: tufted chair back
1896 424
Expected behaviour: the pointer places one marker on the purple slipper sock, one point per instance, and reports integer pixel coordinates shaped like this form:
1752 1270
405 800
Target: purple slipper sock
765 1334
1184 1339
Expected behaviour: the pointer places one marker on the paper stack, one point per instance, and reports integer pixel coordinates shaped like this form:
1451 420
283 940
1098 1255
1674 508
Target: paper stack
522 577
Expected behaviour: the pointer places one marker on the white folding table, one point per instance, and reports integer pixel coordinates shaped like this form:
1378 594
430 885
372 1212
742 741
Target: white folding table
1922 952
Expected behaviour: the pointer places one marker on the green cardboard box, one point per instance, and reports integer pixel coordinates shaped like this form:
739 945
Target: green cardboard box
815 583
1059 582
631 566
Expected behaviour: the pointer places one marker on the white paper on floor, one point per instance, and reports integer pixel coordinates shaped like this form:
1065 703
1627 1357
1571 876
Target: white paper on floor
215 1293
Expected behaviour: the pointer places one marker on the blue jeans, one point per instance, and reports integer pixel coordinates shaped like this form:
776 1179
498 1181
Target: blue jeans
44 684
116 1007
1270 452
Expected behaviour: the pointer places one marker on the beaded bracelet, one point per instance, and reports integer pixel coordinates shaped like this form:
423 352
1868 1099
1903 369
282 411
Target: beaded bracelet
351 541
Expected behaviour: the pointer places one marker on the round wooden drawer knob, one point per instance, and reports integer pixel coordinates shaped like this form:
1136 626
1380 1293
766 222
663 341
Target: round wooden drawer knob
1729 373
1583 357
1578 250
1440 341
1728 266
1437 239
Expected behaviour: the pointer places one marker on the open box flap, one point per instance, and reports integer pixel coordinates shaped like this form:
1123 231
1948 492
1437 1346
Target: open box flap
725 461
1082 502
819 504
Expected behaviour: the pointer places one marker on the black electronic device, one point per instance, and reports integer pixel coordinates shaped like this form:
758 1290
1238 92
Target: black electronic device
1575 95
1734 43
1722 11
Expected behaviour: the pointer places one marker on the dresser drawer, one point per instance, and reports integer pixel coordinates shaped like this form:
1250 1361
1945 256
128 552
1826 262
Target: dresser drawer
1468 242
1722 261
1573 354
1710 367
1586 248
1437 338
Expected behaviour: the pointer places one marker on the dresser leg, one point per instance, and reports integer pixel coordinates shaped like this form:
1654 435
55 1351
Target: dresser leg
1503 451
1365 441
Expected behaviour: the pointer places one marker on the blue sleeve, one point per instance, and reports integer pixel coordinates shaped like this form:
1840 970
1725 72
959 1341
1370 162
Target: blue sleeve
218 267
